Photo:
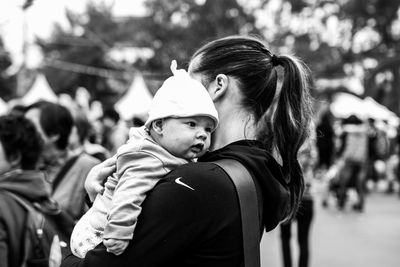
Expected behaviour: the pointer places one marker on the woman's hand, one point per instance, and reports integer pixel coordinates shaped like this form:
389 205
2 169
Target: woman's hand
96 176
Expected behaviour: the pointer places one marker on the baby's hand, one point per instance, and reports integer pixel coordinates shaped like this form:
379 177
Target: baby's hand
115 246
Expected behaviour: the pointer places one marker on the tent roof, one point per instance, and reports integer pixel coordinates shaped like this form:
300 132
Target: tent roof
345 104
40 90
137 100
3 107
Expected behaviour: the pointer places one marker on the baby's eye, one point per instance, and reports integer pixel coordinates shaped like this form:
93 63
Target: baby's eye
208 129
191 123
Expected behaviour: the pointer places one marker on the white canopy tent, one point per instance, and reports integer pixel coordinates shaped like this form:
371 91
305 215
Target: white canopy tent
136 102
40 90
380 112
345 104
3 107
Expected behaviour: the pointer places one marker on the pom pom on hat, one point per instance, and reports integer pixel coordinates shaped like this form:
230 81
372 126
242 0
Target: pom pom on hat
181 96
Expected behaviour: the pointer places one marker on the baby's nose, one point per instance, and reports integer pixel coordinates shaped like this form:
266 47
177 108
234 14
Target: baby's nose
202 134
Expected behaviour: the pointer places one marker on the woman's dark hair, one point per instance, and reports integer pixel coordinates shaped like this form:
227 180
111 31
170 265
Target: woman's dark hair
281 106
19 138
55 119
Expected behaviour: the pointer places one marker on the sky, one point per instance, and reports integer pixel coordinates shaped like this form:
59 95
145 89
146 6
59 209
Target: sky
39 20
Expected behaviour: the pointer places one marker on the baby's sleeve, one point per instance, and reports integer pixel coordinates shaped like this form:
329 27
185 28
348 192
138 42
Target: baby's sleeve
139 171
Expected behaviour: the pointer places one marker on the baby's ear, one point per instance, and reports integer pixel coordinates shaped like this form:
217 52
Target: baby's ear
157 126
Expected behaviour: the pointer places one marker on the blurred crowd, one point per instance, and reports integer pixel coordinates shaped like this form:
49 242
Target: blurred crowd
46 151
356 155
347 155
346 158
73 143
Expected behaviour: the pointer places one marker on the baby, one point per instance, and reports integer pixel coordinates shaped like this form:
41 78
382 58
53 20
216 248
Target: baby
178 130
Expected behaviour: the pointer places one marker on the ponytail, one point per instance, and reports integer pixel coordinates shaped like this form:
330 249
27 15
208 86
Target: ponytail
290 123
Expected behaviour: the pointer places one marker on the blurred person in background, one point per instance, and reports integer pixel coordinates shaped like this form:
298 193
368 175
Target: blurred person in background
20 150
389 155
66 172
114 132
325 142
308 159
353 152
379 151
397 153
79 138
372 174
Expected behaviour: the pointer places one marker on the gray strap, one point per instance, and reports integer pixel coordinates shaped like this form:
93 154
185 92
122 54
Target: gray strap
248 203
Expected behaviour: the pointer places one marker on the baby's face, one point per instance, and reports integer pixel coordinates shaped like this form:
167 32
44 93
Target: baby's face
187 137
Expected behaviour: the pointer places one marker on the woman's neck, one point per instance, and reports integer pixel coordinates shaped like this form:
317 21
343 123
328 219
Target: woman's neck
234 125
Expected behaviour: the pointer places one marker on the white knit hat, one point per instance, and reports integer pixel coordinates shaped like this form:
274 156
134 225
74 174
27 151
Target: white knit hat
181 96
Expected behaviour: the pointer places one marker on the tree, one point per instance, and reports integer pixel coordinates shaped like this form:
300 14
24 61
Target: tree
172 30
78 57
331 34
178 28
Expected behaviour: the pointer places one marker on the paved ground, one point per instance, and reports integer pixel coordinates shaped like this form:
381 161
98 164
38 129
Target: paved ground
348 239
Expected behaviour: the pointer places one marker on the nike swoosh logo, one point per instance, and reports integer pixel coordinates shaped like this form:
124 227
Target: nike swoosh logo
178 181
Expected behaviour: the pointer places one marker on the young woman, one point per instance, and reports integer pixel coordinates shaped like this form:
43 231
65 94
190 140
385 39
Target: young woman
192 217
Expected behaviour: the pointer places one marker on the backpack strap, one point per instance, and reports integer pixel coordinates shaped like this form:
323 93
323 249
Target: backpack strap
64 169
35 218
247 194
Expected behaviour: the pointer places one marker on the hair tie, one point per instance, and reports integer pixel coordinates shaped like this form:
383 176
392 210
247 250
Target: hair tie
275 60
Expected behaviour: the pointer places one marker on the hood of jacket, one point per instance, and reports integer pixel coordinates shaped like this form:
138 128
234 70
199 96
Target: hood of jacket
267 172
30 184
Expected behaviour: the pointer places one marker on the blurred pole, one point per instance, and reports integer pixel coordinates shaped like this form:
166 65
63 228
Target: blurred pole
21 74
24 38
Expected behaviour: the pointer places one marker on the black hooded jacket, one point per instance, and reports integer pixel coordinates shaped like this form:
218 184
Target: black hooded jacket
192 216
266 170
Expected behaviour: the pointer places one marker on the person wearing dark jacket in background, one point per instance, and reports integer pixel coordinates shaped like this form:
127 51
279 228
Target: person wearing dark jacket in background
325 135
20 148
353 152
192 216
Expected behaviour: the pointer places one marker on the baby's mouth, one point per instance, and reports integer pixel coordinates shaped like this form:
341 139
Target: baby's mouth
198 148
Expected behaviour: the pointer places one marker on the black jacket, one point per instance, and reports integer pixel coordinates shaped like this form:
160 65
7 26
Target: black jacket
192 217
30 185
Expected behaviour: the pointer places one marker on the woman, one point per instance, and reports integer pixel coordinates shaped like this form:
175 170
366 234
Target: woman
192 217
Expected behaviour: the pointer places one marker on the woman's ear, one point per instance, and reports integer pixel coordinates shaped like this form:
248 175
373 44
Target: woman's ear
220 86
